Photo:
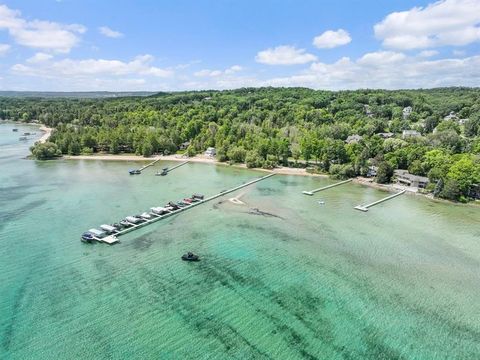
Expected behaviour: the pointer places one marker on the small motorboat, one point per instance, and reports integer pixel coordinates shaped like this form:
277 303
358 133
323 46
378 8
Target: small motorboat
162 173
22 138
187 200
192 199
125 224
109 229
15 130
182 203
198 196
117 226
189 256
134 172
321 202
87 237
173 205
146 216
26 133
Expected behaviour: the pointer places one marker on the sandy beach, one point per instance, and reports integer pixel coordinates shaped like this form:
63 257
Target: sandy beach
47 132
198 159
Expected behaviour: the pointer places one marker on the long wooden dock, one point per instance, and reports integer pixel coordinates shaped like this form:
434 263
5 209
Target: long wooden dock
111 239
365 207
311 192
177 166
149 164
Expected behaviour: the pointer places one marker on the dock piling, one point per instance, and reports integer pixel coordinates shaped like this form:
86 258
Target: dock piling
364 208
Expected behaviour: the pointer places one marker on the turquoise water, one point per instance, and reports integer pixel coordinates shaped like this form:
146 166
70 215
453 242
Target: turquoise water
308 281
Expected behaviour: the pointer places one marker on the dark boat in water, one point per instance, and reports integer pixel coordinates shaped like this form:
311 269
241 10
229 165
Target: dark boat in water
134 172
163 173
15 130
87 237
198 196
190 257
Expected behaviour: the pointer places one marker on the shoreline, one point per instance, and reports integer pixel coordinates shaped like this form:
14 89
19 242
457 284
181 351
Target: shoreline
196 159
41 127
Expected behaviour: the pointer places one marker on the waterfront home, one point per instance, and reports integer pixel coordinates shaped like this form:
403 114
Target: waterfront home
406 112
211 152
372 171
387 135
406 134
403 177
184 145
353 139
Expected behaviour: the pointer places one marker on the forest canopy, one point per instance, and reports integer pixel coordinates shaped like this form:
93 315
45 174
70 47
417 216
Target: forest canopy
433 133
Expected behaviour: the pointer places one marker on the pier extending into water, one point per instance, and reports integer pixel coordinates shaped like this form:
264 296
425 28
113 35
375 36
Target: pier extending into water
325 187
365 207
111 239
176 166
149 164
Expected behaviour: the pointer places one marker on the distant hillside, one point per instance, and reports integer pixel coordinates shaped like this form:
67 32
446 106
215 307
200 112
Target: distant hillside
76 94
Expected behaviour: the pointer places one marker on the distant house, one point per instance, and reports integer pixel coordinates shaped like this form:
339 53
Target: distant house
353 139
372 171
211 152
184 145
407 111
451 116
410 134
405 178
386 135
368 112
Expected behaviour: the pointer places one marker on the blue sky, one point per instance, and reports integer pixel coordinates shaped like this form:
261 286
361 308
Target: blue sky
72 45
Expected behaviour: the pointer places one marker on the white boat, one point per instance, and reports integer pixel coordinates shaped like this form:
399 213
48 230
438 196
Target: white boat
321 202
159 210
97 233
108 228
133 219
146 216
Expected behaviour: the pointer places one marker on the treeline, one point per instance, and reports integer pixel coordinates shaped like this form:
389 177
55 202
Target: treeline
288 126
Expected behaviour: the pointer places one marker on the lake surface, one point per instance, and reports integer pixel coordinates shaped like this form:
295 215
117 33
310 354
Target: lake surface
305 281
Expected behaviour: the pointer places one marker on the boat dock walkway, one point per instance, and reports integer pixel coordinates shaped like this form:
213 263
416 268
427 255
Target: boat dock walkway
325 187
365 207
111 239
177 166
149 164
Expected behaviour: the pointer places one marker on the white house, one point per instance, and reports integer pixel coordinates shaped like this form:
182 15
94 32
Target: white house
410 134
211 152
353 139
407 111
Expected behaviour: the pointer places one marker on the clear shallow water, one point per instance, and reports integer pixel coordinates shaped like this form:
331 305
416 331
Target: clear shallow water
326 282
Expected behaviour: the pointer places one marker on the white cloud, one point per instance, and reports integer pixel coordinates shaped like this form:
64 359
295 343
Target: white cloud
215 73
93 67
46 35
381 58
458 52
428 53
446 22
411 72
284 55
4 48
331 39
39 57
105 30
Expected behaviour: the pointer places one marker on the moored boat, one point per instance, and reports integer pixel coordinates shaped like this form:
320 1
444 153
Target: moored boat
15 130
87 237
109 229
22 138
125 224
146 216
198 196
134 220
134 172
189 256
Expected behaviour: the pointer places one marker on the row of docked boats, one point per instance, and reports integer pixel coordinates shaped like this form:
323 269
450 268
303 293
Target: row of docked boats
136 220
